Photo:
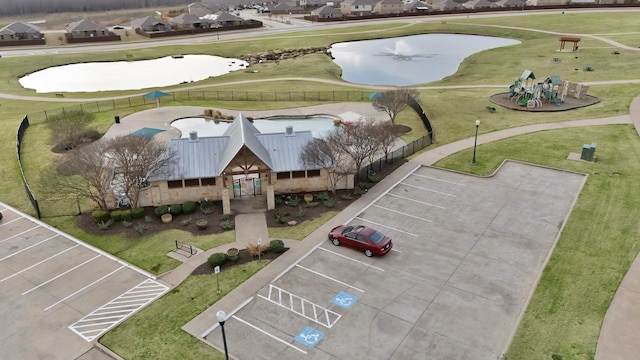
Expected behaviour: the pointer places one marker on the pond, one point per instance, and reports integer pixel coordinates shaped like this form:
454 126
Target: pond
319 125
409 60
130 75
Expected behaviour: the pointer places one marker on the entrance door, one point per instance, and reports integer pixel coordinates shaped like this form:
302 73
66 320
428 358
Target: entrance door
247 186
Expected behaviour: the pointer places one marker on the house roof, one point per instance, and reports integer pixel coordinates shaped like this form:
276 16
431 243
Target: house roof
418 5
147 21
475 4
325 10
209 156
85 25
285 7
183 19
20 28
223 16
512 2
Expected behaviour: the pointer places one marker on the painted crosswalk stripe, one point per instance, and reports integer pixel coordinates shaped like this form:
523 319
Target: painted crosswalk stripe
117 310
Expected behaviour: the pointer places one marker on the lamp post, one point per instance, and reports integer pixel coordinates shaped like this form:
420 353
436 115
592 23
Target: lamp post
222 317
475 142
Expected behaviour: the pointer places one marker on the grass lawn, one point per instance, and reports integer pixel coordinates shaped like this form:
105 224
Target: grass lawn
156 331
597 244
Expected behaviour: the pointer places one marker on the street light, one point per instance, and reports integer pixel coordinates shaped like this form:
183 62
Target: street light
222 317
475 142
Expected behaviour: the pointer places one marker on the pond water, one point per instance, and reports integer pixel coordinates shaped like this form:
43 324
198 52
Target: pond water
319 125
129 75
409 60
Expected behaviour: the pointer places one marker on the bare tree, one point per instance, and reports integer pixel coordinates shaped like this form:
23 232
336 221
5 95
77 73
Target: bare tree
83 172
320 153
356 141
393 102
70 129
136 159
88 171
386 134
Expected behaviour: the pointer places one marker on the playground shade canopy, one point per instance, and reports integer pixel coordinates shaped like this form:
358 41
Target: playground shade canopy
527 74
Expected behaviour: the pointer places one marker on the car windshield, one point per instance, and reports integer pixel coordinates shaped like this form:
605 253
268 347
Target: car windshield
376 237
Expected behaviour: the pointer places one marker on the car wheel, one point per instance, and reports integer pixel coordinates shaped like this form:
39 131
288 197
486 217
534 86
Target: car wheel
368 252
335 241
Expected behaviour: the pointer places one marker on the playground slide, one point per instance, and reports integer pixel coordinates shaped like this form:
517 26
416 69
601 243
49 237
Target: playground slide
556 101
523 101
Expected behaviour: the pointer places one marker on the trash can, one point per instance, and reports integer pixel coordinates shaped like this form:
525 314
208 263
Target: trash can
117 119
592 152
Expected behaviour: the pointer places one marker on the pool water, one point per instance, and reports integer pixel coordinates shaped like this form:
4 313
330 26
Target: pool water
319 125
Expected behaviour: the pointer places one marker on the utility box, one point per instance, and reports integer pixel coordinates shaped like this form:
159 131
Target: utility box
588 152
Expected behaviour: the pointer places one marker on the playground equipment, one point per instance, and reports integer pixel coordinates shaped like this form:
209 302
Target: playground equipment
526 92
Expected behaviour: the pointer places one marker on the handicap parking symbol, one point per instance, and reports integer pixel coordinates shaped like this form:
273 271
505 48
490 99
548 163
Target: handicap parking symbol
345 300
309 336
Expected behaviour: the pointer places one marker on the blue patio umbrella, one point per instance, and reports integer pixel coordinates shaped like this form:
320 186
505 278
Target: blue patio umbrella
156 95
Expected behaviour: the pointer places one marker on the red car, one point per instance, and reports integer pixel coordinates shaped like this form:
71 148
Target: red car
366 239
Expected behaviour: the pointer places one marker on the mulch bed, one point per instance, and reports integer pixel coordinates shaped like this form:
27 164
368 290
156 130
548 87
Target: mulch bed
243 258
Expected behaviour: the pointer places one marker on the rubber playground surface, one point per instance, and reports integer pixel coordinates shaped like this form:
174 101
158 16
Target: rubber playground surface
467 254
57 295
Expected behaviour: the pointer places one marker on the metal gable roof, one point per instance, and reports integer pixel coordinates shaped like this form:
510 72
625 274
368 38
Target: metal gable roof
196 158
242 133
285 149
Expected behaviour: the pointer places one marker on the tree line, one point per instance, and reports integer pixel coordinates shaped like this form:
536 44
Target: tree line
25 7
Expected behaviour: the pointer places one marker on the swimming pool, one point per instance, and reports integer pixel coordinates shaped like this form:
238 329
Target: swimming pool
319 125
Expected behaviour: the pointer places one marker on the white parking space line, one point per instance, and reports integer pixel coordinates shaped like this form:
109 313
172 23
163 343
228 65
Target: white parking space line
117 310
82 289
352 259
58 276
28 247
269 335
402 213
38 263
26 231
396 250
305 308
418 201
385 226
329 278
9 222
430 190
441 180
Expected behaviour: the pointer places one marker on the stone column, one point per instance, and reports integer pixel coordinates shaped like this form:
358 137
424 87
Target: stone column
271 199
226 202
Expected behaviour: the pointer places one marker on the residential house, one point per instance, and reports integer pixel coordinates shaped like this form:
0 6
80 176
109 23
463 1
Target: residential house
222 19
446 5
357 7
416 7
313 4
241 163
388 7
512 3
150 24
86 29
188 22
327 12
479 4
201 9
20 31
283 8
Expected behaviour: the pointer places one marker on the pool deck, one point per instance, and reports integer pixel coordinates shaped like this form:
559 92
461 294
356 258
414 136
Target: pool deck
162 117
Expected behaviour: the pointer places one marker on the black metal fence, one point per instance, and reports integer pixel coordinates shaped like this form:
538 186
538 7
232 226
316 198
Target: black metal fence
193 96
24 124
393 157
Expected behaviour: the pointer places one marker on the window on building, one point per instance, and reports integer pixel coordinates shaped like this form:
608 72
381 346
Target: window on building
283 175
208 181
298 174
313 173
192 183
174 184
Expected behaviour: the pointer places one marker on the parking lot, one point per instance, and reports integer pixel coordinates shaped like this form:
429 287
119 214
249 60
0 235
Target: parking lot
57 294
467 254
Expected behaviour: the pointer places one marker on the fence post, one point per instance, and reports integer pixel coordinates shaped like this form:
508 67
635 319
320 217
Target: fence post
113 101
98 105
